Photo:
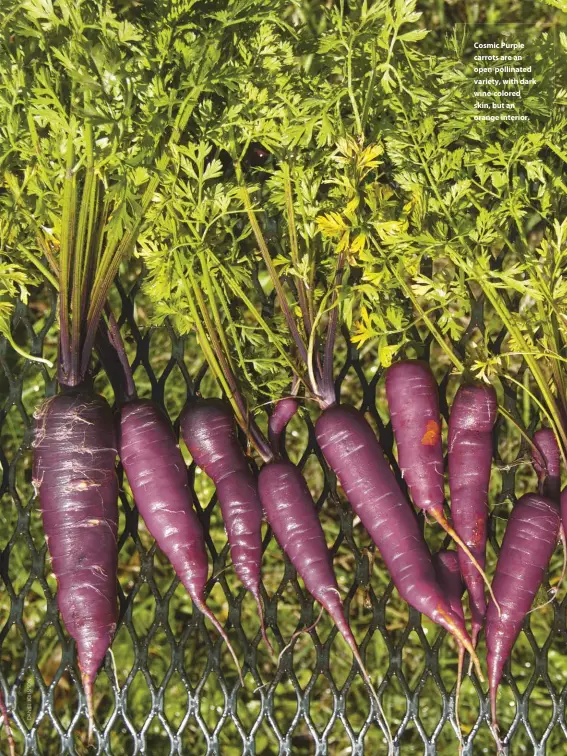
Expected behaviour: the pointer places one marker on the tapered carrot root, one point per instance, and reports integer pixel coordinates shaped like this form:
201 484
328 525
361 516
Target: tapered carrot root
74 473
292 515
209 432
471 422
157 475
355 455
529 541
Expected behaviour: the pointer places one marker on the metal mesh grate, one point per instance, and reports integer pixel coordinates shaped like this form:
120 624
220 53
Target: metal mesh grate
170 686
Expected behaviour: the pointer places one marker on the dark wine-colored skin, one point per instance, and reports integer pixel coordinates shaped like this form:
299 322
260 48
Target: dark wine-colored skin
355 455
157 475
292 516
413 401
563 503
209 432
547 463
529 541
283 412
471 422
446 565
74 474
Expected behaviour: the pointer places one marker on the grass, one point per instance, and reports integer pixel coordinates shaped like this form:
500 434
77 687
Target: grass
161 689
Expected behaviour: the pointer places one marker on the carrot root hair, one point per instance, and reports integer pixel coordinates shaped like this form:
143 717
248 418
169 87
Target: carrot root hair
88 688
439 516
346 632
494 724
297 633
7 727
464 640
457 696
260 606
368 681
206 612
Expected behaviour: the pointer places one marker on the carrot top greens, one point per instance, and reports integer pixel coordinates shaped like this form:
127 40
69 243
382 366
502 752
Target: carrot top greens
92 112
262 152
351 142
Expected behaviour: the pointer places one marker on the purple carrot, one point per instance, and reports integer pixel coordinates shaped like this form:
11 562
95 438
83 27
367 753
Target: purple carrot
413 398
74 474
354 453
529 541
446 565
209 432
547 463
413 401
293 518
471 421
284 410
157 475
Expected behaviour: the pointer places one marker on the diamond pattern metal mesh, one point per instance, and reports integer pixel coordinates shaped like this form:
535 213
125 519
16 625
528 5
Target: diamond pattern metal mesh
169 685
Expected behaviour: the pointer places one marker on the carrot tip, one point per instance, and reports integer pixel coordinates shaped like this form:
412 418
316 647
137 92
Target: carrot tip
463 640
439 516
457 695
263 624
204 609
297 633
88 688
495 729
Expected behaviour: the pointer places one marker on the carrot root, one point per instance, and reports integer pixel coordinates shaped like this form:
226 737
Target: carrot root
260 606
88 688
457 695
297 633
439 516
206 612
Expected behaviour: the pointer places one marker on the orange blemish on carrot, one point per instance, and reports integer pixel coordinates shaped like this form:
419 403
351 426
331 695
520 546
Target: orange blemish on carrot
432 433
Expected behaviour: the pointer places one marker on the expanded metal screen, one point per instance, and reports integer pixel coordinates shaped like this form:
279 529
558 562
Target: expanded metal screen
169 685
